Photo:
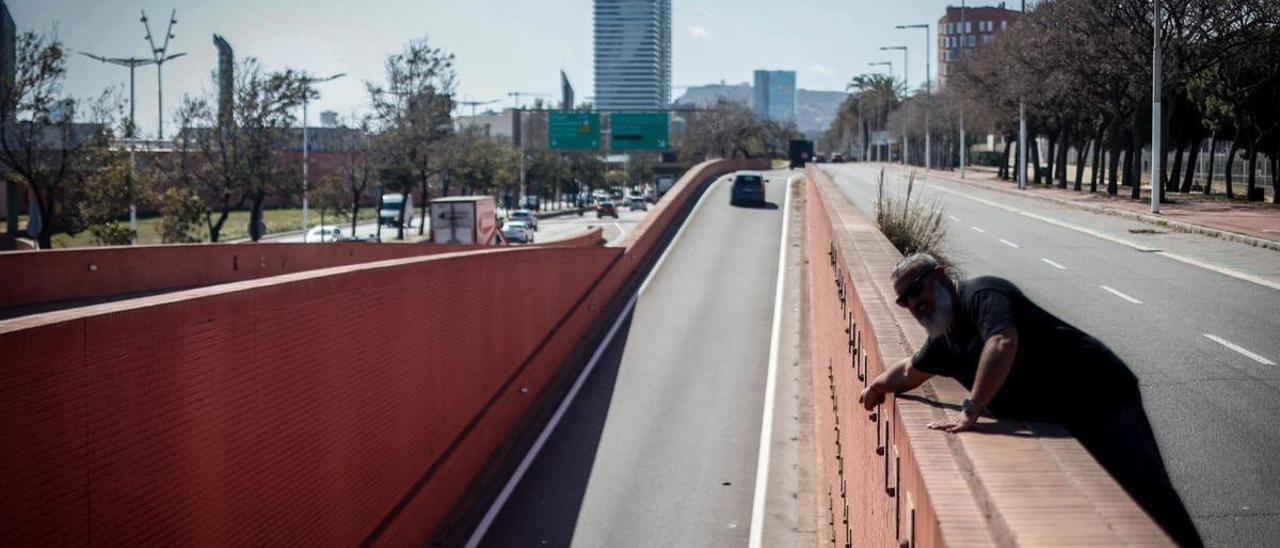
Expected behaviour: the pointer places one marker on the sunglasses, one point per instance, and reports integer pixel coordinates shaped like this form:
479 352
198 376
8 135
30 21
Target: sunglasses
912 291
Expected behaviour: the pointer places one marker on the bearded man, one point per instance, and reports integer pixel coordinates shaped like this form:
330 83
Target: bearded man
1021 362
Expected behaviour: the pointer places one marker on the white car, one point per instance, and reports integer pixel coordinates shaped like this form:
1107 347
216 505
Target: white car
525 216
518 231
323 233
637 203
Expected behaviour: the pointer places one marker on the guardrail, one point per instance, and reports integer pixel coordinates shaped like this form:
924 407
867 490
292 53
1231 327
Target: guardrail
891 481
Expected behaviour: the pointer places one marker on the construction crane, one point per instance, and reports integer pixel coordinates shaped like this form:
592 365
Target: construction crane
517 94
474 104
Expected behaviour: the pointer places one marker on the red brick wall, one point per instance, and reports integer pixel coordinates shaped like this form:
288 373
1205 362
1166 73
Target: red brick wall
298 409
348 405
38 277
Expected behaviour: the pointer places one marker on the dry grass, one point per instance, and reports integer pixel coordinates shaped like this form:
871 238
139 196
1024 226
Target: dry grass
912 226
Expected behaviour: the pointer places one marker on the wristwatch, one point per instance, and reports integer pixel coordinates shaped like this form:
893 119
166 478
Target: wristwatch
967 407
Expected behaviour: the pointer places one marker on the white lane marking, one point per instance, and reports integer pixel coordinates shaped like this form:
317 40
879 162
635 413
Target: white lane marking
1054 264
1117 293
485 523
1008 243
622 234
978 230
953 218
1175 256
766 426
1240 349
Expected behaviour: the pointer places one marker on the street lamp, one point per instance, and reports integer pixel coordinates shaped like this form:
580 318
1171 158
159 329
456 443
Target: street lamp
928 92
1157 84
906 78
881 64
132 63
308 81
964 145
159 54
1022 132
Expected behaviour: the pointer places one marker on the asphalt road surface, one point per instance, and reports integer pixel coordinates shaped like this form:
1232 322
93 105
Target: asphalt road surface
1204 344
660 446
549 230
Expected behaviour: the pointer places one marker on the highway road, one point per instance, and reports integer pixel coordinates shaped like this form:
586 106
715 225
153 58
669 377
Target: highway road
660 446
1197 319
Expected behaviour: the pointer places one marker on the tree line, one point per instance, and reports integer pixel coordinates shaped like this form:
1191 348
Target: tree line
1082 69
82 176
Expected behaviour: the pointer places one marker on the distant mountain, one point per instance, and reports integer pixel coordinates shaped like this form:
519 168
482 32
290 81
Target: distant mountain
814 109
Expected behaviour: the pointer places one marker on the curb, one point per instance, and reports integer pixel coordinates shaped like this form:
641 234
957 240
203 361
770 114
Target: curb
1178 226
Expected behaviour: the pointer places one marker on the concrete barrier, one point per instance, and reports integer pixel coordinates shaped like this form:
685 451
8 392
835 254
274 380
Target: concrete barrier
888 480
353 404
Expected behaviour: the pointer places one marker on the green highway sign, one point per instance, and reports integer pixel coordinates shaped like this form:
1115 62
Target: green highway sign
574 130
638 131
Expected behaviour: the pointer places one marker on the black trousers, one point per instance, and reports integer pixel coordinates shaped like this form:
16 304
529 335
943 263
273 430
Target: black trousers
1124 445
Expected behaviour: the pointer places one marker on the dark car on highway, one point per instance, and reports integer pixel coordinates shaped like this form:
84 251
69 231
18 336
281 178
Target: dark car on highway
748 189
606 209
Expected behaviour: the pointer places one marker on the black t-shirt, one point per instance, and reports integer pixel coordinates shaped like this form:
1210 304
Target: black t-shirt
1060 373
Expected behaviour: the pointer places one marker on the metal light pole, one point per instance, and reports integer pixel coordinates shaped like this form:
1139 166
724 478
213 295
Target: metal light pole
1157 83
160 59
306 145
132 63
964 145
1022 133
928 93
890 65
906 78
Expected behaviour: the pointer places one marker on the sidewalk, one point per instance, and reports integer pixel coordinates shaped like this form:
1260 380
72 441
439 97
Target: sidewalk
1253 224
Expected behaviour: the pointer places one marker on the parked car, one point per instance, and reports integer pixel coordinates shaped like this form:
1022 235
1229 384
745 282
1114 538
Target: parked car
528 217
637 203
748 188
323 233
606 209
518 231
819 158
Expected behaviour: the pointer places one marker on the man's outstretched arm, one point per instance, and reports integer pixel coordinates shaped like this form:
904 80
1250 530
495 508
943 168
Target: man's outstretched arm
998 353
900 377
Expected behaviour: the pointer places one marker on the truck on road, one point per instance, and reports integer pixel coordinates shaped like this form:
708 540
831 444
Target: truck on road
465 220
393 207
800 152
663 183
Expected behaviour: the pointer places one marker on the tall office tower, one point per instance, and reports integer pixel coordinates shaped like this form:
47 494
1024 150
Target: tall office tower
775 95
632 54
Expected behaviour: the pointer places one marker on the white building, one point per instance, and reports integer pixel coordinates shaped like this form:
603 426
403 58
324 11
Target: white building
632 54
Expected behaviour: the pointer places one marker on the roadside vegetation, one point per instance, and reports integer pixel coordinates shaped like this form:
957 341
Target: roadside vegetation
911 224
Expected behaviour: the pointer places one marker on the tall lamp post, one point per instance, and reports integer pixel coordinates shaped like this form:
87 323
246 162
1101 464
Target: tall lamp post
1022 133
906 78
132 63
1157 84
306 145
964 145
160 58
928 93
881 64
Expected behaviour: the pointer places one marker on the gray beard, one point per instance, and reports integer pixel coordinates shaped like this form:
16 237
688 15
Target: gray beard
938 322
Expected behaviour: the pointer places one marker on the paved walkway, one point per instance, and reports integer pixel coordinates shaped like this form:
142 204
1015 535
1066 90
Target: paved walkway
1255 224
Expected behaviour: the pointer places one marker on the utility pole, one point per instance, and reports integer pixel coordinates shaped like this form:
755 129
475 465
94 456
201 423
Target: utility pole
906 148
1022 132
964 145
928 94
890 65
160 58
308 81
1157 84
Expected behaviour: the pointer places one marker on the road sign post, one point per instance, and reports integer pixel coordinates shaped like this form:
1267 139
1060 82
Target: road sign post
639 131
574 131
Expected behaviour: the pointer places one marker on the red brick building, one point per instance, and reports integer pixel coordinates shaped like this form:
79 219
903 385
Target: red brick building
961 31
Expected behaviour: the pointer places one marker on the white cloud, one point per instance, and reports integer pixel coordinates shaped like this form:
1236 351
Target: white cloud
701 33
822 69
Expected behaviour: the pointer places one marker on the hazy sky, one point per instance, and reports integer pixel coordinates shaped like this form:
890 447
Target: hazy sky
501 45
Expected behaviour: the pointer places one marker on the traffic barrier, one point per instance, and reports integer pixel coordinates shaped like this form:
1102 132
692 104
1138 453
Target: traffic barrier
56 275
886 479
351 404
591 238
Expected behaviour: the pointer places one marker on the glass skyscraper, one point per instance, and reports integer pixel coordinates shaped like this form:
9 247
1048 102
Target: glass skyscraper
775 95
632 54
